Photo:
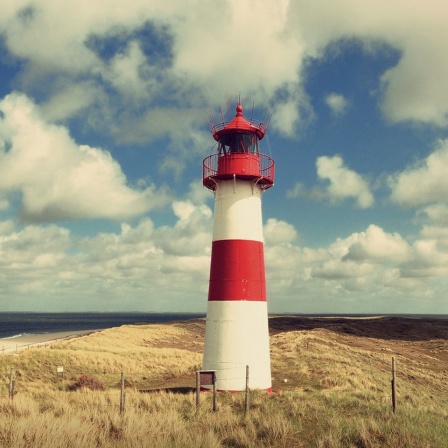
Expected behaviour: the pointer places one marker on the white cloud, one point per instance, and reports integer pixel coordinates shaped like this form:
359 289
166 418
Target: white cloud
186 144
285 117
337 103
6 227
414 89
436 233
218 60
344 182
192 233
197 193
423 183
147 267
69 101
59 179
437 213
296 191
30 249
427 261
201 68
373 270
268 60
315 193
277 232
140 267
337 270
414 92
376 245
4 204
256 48
124 71
62 45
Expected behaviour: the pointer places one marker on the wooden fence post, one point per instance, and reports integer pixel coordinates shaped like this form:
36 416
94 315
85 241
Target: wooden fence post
206 377
11 384
246 404
198 388
215 407
122 396
394 398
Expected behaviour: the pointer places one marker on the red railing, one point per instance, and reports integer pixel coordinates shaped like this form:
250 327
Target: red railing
265 173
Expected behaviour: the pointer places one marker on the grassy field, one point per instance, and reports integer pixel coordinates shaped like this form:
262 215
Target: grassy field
337 393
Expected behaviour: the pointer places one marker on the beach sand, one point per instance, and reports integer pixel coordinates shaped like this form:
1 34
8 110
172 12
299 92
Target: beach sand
35 340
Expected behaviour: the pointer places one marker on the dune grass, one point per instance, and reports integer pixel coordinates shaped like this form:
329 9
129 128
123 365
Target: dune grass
337 393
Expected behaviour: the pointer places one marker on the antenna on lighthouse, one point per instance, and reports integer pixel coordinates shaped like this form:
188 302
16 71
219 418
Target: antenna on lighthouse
210 120
265 112
268 122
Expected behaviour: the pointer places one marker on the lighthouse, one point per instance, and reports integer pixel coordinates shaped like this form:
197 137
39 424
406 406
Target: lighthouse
237 333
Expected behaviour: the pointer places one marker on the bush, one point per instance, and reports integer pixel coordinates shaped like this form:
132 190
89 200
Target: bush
87 382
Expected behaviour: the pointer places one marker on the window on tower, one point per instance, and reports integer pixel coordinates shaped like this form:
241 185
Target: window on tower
235 143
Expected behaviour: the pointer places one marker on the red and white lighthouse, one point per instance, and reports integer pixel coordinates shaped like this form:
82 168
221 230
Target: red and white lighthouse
237 333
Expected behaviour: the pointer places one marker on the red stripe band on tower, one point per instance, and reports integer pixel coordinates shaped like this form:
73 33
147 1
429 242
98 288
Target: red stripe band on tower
237 271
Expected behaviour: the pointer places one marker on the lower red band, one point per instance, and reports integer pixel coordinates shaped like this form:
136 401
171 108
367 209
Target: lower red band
237 271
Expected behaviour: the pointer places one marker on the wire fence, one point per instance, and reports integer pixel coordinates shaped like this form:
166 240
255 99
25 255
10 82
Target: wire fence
115 386
109 390
100 390
5 350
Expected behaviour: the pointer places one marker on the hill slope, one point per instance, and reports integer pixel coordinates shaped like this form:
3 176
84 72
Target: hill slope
337 393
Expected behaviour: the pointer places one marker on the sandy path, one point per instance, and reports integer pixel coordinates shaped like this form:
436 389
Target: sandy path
33 340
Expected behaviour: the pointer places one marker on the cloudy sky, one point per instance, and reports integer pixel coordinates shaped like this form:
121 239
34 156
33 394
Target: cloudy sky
104 110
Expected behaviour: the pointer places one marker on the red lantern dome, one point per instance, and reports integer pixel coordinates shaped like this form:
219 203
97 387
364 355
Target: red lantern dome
238 153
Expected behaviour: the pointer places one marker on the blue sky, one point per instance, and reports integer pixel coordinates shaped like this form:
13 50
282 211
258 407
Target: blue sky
104 112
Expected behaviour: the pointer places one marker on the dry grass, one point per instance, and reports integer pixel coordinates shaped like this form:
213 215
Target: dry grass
337 394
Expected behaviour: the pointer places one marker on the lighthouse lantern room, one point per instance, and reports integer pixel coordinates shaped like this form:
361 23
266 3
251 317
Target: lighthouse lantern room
237 333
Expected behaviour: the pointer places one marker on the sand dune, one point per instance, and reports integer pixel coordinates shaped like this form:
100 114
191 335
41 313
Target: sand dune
26 341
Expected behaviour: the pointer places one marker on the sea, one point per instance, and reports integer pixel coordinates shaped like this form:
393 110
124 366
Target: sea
14 325
17 324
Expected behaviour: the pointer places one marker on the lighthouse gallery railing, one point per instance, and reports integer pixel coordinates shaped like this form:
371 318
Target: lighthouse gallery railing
267 168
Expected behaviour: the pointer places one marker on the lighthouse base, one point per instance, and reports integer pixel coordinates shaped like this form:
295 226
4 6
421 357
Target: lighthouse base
236 336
